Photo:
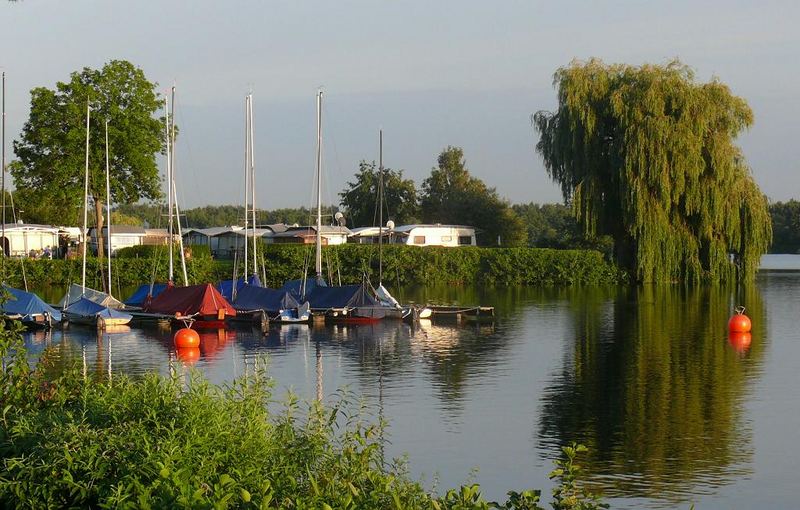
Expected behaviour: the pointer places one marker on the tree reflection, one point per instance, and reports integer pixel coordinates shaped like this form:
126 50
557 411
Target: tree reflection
653 387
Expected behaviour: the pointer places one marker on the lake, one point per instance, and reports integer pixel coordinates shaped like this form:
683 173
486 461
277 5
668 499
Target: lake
673 410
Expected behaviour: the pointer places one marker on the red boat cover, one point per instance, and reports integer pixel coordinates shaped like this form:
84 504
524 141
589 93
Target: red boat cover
194 299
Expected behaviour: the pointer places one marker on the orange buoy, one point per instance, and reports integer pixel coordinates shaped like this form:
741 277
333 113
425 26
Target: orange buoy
186 337
740 340
739 322
188 354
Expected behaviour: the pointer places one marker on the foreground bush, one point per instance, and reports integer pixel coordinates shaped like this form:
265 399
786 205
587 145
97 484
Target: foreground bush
69 440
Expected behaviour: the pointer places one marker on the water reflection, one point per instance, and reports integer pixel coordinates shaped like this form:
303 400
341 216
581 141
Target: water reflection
647 377
651 384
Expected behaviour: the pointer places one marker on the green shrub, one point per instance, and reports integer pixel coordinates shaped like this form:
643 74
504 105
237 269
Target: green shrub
402 265
69 440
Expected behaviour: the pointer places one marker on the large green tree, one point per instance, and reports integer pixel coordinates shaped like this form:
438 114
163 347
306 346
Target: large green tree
647 155
452 195
555 226
360 198
785 226
51 148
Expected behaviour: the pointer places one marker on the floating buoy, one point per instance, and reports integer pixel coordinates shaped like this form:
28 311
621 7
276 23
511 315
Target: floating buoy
188 354
740 340
739 322
186 337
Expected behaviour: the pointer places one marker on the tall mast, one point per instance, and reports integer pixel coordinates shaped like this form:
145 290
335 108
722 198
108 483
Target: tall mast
246 179
253 183
380 208
85 200
175 192
3 178
108 212
169 188
318 240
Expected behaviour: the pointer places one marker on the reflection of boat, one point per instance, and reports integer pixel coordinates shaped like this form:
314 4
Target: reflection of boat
214 341
87 312
29 309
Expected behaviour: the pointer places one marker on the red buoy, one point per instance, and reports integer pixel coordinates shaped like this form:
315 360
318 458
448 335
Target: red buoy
739 322
188 355
186 337
740 340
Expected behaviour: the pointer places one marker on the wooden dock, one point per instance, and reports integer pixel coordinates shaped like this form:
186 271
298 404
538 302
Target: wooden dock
463 313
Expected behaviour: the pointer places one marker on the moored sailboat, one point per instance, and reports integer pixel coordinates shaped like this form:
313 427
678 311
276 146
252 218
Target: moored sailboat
95 311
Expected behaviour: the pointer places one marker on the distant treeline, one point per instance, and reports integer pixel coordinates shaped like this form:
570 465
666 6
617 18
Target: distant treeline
547 225
785 227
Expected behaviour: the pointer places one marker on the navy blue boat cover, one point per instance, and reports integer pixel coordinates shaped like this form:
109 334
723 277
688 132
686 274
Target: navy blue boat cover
138 297
88 308
345 296
225 287
26 304
296 287
263 298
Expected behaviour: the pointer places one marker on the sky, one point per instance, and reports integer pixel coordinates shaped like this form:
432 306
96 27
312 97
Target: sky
429 73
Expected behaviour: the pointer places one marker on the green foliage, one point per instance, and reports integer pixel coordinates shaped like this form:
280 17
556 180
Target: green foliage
49 174
402 265
785 227
414 265
568 495
69 440
221 215
41 273
119 218
646 154
452 195
555 226
360 198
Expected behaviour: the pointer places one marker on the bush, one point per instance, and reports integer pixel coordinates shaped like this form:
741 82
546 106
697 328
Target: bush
402 265
69 440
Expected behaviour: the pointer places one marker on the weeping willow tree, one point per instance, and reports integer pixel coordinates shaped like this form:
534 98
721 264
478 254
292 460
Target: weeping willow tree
647 155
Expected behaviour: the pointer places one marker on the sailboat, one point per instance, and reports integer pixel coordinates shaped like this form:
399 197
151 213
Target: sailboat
87 311
199 305
407 312
343 303
253 302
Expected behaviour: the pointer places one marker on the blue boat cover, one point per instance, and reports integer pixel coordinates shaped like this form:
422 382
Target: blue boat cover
27 304
225 287
296 287
345 296
263 298
89 308
138 297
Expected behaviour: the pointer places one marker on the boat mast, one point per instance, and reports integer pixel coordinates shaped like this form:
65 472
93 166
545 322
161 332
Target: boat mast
318 240
380 207
3 178
85 200
253 184
246 180
175 192
169 189
108 212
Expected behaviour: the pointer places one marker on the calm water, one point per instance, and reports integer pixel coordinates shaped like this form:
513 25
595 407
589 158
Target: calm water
672 410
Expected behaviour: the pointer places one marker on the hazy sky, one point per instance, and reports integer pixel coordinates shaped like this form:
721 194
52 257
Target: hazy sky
431 73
